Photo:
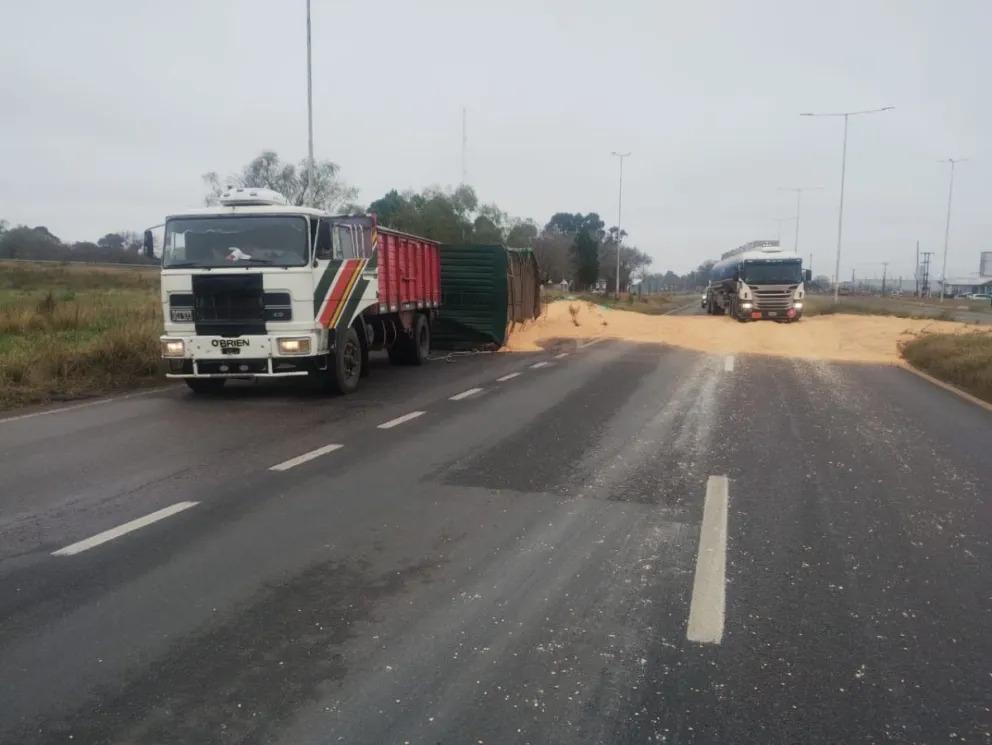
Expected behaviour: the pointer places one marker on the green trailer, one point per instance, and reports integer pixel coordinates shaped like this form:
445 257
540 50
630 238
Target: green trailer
485 290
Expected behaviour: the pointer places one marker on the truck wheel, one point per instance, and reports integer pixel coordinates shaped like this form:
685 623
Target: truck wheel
202 386
346 369
421 344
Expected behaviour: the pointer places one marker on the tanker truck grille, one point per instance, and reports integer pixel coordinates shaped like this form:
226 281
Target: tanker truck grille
773 298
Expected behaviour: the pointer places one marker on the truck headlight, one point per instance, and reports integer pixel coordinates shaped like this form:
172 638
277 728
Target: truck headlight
797 305
293 346
173 348
747 306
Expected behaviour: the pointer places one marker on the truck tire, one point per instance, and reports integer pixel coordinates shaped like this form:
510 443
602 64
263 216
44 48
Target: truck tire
201 386
345 369
420 347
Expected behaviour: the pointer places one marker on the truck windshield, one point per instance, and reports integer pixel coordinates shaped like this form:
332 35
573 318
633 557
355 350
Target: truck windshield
236 240
773 272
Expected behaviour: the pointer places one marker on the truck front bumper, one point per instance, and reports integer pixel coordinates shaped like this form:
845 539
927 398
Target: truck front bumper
239 357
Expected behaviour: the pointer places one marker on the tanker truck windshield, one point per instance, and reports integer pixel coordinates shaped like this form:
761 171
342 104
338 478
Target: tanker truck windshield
772 272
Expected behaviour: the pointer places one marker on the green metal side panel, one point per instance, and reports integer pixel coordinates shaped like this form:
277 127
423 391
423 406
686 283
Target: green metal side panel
473 297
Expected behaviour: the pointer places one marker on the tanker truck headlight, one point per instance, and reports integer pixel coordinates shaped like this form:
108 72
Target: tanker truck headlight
797 306
747 306
173 348
293 346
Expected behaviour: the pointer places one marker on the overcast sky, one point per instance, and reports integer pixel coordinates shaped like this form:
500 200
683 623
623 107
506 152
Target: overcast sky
111 110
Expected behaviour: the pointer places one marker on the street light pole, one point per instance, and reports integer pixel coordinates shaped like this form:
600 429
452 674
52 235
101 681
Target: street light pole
799 194
947 226
620 156
309 109
843 173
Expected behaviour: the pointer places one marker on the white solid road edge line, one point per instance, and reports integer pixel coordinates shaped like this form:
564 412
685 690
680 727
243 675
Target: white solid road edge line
465 394
109 535
401 419
511 376
707 609
287 464
84 405
728 363
589 343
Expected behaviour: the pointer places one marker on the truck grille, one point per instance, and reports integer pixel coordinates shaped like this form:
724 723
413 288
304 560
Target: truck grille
228 304
773 298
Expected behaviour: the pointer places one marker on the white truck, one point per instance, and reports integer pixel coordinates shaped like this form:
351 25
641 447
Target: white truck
257 288
755 281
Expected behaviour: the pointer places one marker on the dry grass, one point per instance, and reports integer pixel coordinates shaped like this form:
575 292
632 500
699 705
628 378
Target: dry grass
68 331
964 360
823 305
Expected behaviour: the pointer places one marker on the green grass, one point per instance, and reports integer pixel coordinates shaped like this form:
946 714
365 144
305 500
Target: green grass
964 360
823 305
68 331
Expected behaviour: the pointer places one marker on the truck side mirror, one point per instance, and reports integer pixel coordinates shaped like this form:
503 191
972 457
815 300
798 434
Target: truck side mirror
149 245
808 276
325 246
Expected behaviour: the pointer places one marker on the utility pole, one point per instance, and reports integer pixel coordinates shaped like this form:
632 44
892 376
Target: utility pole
799 195
885 269
843 172
619 156
309 110
947 227
916 270
464 146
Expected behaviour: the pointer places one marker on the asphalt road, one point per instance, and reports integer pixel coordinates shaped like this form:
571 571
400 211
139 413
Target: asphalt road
626 544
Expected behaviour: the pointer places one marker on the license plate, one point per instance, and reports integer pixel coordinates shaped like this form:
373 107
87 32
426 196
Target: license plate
180 316
773 312
230 350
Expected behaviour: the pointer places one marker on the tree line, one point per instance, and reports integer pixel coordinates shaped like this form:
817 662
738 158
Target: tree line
40 244
571 247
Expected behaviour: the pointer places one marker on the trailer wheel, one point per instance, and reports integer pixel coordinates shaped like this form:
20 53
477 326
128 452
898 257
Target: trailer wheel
421 344
346 370
201 386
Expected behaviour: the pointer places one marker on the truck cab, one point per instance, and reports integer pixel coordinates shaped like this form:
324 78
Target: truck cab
257 288
758 281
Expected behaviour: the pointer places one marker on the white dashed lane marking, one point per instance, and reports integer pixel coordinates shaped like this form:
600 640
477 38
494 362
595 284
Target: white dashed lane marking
561 355
707 608
465 394
728 363
109 535
287 464
401 419
537 365
505 378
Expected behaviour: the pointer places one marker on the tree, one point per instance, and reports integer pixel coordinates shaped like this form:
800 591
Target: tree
23 242
112 241
554 257
522 234
326 192
585 256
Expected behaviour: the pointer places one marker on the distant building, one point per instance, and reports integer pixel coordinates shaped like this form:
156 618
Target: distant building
980 283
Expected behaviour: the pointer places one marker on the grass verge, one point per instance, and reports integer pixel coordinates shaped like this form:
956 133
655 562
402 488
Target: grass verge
652 305
963 360
69 332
